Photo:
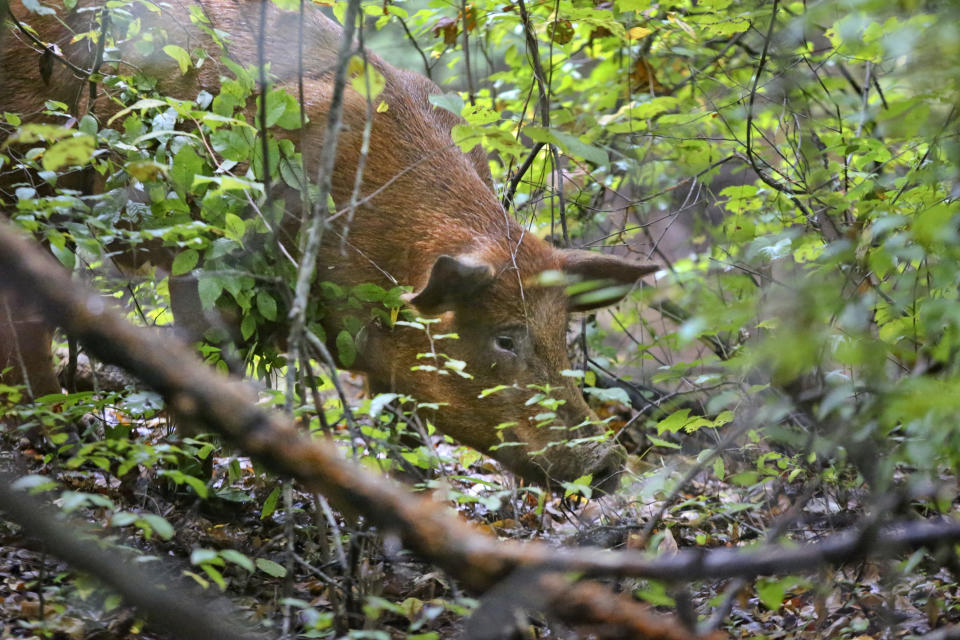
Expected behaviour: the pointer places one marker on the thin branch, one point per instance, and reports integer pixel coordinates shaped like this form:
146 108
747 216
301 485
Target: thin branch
466 52
751 156
48 50
696 72
364 145
729 438
427 69
262 116
328 157
534 50
507 199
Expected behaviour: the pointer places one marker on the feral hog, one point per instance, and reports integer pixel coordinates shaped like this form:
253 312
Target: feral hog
428 218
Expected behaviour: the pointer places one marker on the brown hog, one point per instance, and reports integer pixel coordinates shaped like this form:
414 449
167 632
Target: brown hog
432 221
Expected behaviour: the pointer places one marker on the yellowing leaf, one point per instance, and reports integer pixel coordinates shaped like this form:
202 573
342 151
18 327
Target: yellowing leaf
638 32
69 152
683 25
364 78
180 55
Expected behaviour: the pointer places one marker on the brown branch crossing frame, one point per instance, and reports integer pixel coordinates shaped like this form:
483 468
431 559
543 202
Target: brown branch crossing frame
479 561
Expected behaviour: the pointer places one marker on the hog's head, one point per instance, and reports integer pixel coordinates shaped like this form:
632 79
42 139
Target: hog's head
509 307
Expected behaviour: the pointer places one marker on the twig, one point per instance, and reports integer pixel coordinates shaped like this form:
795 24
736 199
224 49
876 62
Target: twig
466 52
507 199
364 146
730 437
48 50
751 157
98 58
328 157
427 69
534 49
262 116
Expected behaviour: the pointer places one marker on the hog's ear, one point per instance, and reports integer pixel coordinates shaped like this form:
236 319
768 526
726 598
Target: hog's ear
452 281
612 277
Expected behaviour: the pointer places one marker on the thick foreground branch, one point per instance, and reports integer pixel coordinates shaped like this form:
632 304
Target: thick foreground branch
196 393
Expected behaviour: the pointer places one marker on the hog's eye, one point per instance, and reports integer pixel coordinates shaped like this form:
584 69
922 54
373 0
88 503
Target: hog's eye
505 343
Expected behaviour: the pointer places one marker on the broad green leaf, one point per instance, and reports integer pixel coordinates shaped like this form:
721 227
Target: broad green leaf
186 165
159 525
234 227
613 394
185 262
237 558
145 103
271 568
346 349
266 305
270 504
452 101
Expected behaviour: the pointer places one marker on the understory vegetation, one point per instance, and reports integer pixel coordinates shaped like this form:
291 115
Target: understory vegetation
791 373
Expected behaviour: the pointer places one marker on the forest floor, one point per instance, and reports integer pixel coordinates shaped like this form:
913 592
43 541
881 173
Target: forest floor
341 579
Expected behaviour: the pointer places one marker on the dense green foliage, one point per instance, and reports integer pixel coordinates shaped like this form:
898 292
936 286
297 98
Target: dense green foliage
793 166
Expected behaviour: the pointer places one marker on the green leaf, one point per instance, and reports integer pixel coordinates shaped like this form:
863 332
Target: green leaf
452 101
579 148
198 485
34 132
180 55
772 591
248 326
145 103
270 504
159 525
185 262
237 558
88 125
378 402
283 110
215 575
266 305
186 165
718 468
210 289
368 292
271 568
569 143
234 227
613 394
205 556
579 486
479 115
656 594
492 390
657 442
346 349
66 257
